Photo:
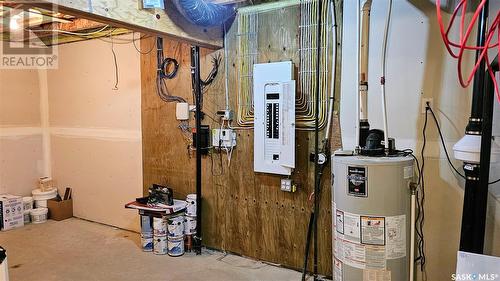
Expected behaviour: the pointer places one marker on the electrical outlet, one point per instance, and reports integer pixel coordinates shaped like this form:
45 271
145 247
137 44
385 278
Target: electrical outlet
424 104
288 185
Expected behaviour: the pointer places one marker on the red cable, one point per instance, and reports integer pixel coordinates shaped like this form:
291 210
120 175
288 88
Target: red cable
464 37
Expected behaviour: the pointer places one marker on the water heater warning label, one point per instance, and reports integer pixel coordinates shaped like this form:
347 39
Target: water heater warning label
367 242
373 230
356 177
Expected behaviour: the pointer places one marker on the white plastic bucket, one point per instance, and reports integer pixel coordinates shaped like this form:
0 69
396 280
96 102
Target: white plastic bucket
39 215
176 246
191 205
41 197
175 226
40 203
147 241
27 203
159 227
38 194
190 225
160 245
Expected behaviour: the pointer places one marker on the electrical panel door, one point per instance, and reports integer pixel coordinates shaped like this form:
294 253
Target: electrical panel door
274 132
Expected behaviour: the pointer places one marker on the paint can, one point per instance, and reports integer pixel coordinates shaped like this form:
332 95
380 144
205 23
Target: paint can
188 243
191 205
160 245
146 223
147 241
175 226
39 215
27 204
190 225
159 227
27 217
175 246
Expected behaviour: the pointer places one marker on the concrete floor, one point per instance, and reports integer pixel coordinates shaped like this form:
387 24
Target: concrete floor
75 249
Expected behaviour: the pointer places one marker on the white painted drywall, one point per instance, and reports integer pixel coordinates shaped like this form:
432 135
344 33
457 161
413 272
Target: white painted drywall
21 152
418 66
96 131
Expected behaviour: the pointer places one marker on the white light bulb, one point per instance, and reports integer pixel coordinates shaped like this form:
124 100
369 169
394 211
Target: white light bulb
14 24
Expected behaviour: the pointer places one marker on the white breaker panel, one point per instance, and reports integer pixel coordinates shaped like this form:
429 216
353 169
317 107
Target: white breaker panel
274 132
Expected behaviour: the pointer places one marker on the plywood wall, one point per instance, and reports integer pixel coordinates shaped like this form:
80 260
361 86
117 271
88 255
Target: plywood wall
243 212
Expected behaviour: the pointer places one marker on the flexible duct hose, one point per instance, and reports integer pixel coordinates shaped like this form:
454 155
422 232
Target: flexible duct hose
204 13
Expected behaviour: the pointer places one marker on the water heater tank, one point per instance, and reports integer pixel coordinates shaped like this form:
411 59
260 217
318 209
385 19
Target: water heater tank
371 217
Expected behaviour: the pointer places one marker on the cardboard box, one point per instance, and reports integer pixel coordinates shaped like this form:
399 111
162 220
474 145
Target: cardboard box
60 210
11 212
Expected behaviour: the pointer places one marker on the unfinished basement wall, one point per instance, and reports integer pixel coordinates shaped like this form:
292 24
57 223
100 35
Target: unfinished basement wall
96 129
418 66
243 212
21 142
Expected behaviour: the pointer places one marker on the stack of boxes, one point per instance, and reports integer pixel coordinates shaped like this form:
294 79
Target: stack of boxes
11 212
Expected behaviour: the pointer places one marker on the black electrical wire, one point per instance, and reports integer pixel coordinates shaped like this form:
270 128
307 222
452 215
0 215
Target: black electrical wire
166 64
444 146
216 61
421 214
162 73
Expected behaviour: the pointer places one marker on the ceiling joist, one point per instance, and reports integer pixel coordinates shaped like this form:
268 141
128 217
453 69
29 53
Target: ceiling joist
129 15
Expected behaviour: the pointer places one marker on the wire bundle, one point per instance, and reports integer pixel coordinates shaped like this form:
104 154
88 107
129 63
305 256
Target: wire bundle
163 73
465 32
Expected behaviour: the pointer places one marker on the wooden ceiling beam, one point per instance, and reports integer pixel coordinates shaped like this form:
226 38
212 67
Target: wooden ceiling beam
128 14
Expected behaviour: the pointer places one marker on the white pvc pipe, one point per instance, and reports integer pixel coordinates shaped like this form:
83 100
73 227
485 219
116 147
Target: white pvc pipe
364 56
45 122
333 73
382 82
358 24
412 237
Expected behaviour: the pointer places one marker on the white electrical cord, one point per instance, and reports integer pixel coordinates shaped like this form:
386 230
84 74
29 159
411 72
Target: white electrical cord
382 79
333 72
358 24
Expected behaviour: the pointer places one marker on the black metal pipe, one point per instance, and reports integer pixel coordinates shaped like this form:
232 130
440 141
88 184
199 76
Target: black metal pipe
484 174
317 168
196 79
308 246
472 229
474 125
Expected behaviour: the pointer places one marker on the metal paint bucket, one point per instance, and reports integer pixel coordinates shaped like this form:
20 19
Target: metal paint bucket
175 226
159 227
176 246
160 245
190 225
146 224
191 205
147 241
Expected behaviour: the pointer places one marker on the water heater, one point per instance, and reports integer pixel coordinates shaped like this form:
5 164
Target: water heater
371 217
